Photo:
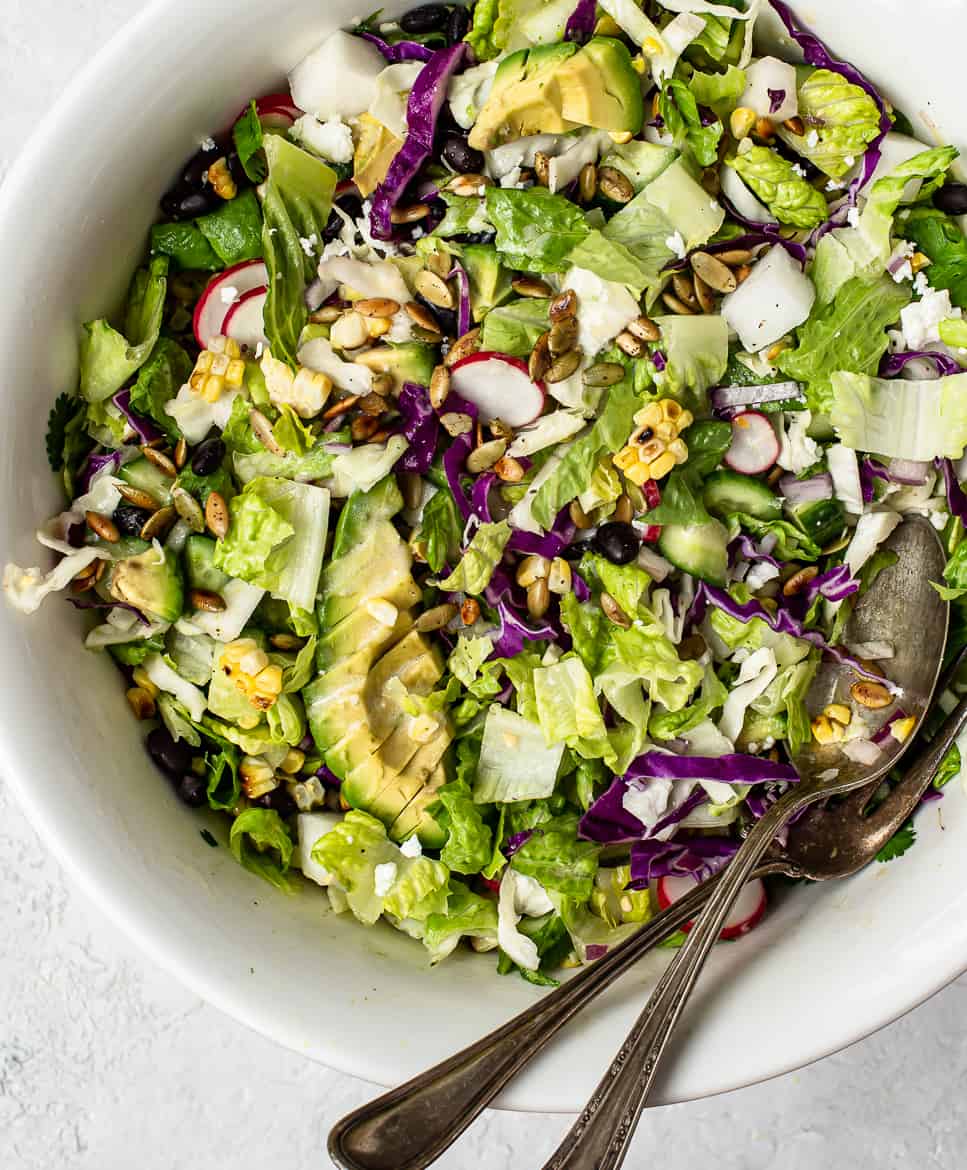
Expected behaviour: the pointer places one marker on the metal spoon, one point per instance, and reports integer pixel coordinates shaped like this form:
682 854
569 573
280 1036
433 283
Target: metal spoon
409 1127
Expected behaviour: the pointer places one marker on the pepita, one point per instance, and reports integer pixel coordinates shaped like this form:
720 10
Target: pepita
795 126
181 453
482 458
139 498
538 599
421 316
564 366
624 510
603 374
703 294
715 274
542 162
377 307
579 518
560 578
563 336
340 407
411 214
764 129
383 385
564 305
216 515
735 257
102 526
531 569
349 332
644 328
326 315
470 611
363 428
531 286
163 462
588 182
436 618
439 387
159 522
742 273
540 359
287 642
440 263
434 289
188 509
456 424
614 186
205 600
262 430
799 580
467 185
872 695
629 344
462 348
684 289
614 613
509 469
677 306
373 404
411 488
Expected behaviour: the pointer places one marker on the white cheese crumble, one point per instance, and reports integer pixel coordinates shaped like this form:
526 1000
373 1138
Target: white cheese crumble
331 139
676 244
853 216
799 170
904 272
383 878
921 284
920 320
208 143
411 847
812 139
309 244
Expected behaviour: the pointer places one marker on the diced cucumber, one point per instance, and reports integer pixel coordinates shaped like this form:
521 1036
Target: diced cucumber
199 565
699 549
728 491
823 521
140 473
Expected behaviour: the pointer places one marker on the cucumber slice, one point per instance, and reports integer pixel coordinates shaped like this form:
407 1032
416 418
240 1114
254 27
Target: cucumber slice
199 567
141 474
823 521
699 549
728 491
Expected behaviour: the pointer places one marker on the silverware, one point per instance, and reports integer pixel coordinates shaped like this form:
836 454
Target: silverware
901 607
409 1127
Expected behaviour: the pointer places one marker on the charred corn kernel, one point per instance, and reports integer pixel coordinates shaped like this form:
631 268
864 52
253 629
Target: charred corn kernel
218 367
221 180
305 391
257 777
140 678
247 665
902 729
918 260
661 466
839 713
825 731
293 761
741 121
651 450
267 687
378 326
679 449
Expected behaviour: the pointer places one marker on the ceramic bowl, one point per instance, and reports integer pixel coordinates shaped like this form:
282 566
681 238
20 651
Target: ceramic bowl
830 964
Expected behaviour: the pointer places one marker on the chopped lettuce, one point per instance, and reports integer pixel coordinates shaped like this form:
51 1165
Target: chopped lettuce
556 858
469 842
516 761
480 558
159 380
841 121
536 231
719 91
260 841
790 198
440 530
466 915
696 353
568 711
514 328
940 238
680 113
902 419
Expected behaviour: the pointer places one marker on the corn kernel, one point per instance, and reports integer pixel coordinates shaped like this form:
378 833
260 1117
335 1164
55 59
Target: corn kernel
227 345
661 466
204 363
902 729
742 121
625 459
839 713
652 46
620 137
293 761
247 665
825 731
650 416
640 474
666 432
639 64
257 777
378 326
140 678
679 450
211 391
651 450
221 180
235 374
671 411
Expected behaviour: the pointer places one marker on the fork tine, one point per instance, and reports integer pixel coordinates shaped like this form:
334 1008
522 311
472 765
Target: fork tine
854 805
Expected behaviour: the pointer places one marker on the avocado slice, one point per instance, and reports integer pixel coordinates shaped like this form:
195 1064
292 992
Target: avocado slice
599 87
525 98
361 511
385 790
366 628
415 819
404 361
375 150
489 280
378 567
152 586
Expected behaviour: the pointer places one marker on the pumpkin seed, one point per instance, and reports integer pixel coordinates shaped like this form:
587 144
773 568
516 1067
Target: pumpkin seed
188 509
363 428
560 578
614 613
205 600
216 515
470 611
181 453
102 526
588 182
435 618
456 424
509 469
531 569
326 315
439 387
434 289
614 186
411 214
531 286
764 129
262 430
463 347
579 518
742 273
377 307
564 305
340 407
482 458
563 336
140 499
160 460
349 332
629 344
159 522
538 599
644 328
703 294
872 695
540 359
735 257
469 184
287 642
715 274
795 126
411 488
603 374
440 263
677 306
798 581
684 289
383 385
564 366
373 404
624 510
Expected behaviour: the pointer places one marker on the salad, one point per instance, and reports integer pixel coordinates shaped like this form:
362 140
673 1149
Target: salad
498 433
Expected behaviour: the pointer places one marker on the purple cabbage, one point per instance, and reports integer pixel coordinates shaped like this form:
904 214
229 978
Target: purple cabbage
893 363
776 98
93 465
455 456
515 632
480 497
426 100
745 548
551 544
420 426
956 500
464 316
147 431
870 472
580 586
515 842
401 51
580 24
658 360
735 768
697 857
328 777
835 585
608 822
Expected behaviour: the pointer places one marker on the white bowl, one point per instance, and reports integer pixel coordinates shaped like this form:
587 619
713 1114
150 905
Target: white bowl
828 966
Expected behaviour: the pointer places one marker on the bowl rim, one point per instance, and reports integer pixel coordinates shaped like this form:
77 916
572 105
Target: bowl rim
121 909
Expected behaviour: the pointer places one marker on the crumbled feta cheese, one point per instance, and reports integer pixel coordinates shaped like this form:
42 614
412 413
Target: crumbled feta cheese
331 139
849 160
676 244
812 139
229 294
799 169
309 244
383 878
920 320
921 284
853 216
208 143
411 847
904 272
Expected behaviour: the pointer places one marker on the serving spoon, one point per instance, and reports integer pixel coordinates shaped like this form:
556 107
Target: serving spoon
409 1127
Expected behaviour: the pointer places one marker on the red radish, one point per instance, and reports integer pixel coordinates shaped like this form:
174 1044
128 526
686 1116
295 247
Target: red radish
755 445
652 494
244 320
746 913
500 387
221 293
492 884
277 111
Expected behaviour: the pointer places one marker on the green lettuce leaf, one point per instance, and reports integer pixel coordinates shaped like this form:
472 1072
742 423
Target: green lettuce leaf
514 328
260 841
109 358
536 231
468 656
467 914
905 420
248 139
481 36
465 215
791 543
440 530
949 767
159 380
719 91
568 710
679 110
696 351
297 203
558 859
939 237
788 196
841 119
481 557
550 936
185 245
315 464
234 231
469 843
848 333
786 694
665 724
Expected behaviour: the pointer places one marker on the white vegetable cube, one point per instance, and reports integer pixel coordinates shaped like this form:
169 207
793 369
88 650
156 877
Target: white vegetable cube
776 298
338 78
313 826
515 761
771 89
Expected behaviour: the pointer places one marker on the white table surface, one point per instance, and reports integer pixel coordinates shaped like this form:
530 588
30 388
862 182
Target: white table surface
106 1063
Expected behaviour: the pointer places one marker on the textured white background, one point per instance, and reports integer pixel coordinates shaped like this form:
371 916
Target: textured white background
106 1063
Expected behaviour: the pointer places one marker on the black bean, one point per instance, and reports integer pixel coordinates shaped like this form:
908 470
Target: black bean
458 24
477 237
447 318
183 202
426 18
77 535
129 519
278 799
618 542
575 551
351 204
171 755
193 790
461 155
952 198
208 457
197 166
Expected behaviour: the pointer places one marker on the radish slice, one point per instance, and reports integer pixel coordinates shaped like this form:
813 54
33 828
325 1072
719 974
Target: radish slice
755 445
220 295
244 320
748 910
500 387
277 110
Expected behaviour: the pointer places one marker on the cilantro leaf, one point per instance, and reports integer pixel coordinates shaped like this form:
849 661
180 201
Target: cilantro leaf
683 120
899 843
441 529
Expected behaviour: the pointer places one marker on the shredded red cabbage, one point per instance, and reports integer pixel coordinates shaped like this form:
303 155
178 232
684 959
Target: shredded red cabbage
515 842
426 100
580 586
401 51
835 585
886 731
658 360
580 24
745 548
956 499
455 456
328 777
147 431
515 633
550 545
608 822
697 857
464 316
420 426
735 768
893 363
96 602
870 471
93 465
776 98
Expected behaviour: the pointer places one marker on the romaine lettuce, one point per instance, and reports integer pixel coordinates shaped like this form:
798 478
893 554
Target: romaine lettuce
696 353
790 198
260 841
536 231
516 761
905 420
480 558
514 328
841 119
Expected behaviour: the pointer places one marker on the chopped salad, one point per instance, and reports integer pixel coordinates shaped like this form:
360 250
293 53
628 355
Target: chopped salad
499 432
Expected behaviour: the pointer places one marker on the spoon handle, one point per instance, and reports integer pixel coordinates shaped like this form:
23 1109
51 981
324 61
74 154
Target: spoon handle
409 1127
600 1137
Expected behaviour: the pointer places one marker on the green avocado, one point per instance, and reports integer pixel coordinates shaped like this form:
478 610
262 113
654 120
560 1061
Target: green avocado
404 361
524 98
365 629
377 567
152 586
599 87
489 279
415 819
387 783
